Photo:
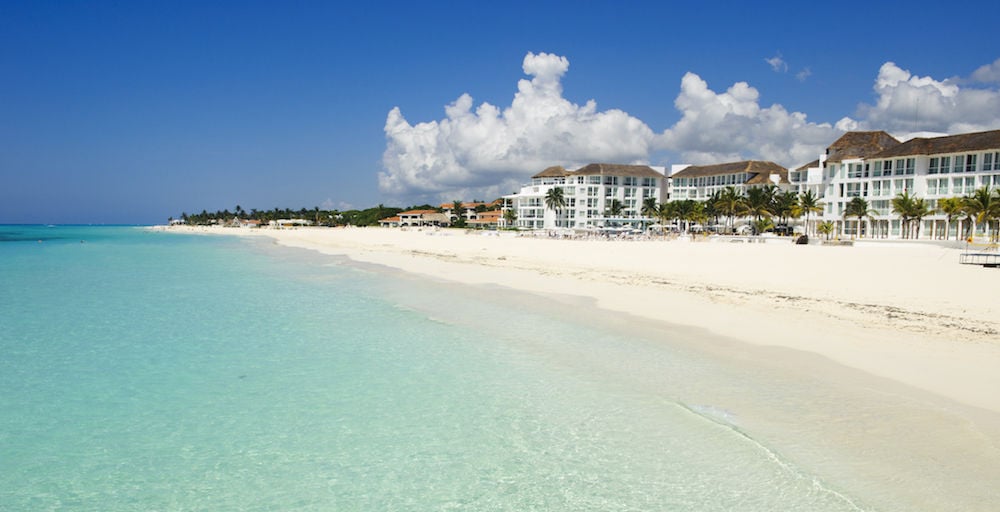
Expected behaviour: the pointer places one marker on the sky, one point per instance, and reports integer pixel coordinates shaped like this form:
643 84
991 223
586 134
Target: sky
135 111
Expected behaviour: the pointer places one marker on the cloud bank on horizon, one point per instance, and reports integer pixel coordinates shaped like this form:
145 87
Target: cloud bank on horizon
486 151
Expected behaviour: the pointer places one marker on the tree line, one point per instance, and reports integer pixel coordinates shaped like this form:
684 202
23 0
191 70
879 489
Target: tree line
316 215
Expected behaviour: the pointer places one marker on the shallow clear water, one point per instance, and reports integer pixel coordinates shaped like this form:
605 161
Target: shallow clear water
151 371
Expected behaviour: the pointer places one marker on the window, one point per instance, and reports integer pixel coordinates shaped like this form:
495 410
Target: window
630 181
594 180
959 163
878 168
945 164
630 192
900 167
876 188
932 187
988 162
887 168
970 163
853 190
933 167
943 186
611 180
910 165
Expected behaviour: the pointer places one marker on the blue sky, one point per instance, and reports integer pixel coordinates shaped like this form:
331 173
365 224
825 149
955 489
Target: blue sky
130 112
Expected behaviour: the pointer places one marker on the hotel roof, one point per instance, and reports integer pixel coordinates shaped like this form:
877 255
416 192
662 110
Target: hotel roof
859 145
638 171
758 171
556 171
814 163
942 145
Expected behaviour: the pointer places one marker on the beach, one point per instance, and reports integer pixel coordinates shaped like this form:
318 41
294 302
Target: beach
904 311
880 359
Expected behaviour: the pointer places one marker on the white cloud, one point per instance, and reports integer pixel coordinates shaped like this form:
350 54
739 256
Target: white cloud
487 152
910 103
721 127
481 152
803 75
777 64
989 73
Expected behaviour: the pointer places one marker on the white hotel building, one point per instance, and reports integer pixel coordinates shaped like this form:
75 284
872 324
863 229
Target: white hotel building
877 167
588 193
872 165
699 182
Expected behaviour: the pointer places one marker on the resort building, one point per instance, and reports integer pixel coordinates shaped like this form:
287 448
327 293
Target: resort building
469 210
596 196
877 168
423 218
699 182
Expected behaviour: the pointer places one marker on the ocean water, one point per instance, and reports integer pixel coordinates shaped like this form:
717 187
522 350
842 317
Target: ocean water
153 371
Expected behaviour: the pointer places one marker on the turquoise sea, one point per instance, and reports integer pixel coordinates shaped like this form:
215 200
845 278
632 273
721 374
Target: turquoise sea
153 371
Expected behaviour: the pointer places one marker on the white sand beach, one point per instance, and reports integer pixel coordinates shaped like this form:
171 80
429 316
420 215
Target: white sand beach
905 311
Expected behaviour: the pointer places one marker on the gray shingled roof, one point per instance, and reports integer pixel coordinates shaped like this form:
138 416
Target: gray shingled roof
978 141
555 171
859 145
814 163
758 171
639 171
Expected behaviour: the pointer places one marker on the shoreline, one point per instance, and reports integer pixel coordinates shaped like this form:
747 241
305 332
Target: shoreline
909 313
901 416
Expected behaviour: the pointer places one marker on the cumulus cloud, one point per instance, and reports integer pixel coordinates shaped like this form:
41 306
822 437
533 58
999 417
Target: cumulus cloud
803 75
729 126
908 103
777 64
989 73
485 151
481 152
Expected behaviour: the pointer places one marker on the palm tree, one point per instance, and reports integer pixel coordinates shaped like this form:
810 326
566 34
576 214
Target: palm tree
665 213
857 207
458 211
951 207
984 207
615 208
919 211
827 228
687 211
708 208
649 207
902 205
555 201
510 217
762 225
809 204
728 204
759 202
785 206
